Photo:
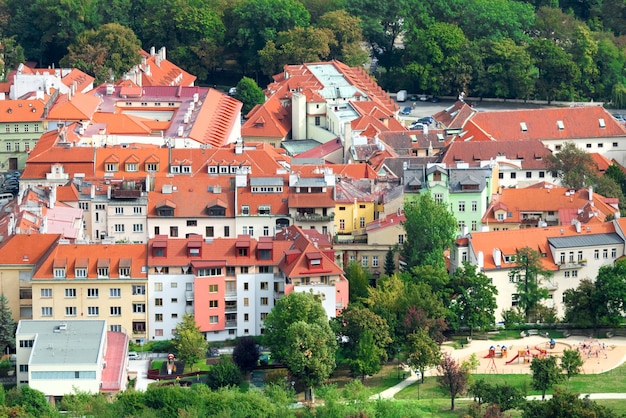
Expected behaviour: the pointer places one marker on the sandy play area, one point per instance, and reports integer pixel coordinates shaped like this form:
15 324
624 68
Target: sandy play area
515 356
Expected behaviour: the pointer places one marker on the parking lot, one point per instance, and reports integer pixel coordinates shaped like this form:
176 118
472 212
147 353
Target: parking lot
9 182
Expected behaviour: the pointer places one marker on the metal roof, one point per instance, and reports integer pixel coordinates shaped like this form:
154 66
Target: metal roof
585 240
266 181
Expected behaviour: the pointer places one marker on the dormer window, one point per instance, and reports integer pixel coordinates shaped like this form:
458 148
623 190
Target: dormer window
186 169
58 268
124 269
152 167
194 248
223 169
110 167
212 169
175 169
131 167
103 267
80 269
245 210
159 248
265 210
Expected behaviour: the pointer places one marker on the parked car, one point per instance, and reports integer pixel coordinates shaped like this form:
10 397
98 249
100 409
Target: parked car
406 110
401 96
232 91
434 99
133 355
619 117
426 120
416 126
213 352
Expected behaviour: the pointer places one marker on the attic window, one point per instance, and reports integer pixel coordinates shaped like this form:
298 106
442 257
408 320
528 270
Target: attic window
601 122
440 137
212 169
560 125
523 126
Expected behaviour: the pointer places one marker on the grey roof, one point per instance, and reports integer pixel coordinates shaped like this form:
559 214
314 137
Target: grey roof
80 343
586 240
266 181
311 182
466 176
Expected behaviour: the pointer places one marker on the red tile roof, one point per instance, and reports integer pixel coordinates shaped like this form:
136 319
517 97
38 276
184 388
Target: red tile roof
21 110
27 249
532 153
74 107
156 70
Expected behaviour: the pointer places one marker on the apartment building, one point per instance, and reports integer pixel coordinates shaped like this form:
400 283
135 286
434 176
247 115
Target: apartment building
94 281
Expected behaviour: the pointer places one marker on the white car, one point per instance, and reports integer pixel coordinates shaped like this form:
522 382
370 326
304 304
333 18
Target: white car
232 91
133 355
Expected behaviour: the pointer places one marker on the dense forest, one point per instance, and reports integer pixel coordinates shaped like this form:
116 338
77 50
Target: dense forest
570 50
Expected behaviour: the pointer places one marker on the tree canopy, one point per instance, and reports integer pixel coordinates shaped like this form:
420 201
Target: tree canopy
190 344
528 275
573 166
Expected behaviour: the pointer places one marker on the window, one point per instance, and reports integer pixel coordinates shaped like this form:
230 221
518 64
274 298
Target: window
158 287
374 261
580 256
245 210
500 216
213 319
342 224
92 293
158 302
542 174
209 271
131 167
263 316
174 231
613 252
16 128
151 167
474 205
596 254
24 368
59 273
246 301
139 289
110 167
264 301
574 273
588 145
361 222
461 225
605 253
93 311
81 273
567 273
116 310
70 293
265 210
137 227
246 317
438 197
46 293
266 231
139 308
212 288
266 269
600 145
46 311
461 206
209 232
119 210
614 144
27 343
400 239
192 222
562 257
501 175
115 292
226 231
158 317
213 304
119 227
8 147
571 256
529 174
264 285
173 285
318 121
70 311
514 299
364 261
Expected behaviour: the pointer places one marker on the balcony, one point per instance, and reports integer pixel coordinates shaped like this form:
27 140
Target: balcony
314 217
125 194
551 286
189 296
230 308
229 295
572 264
231 324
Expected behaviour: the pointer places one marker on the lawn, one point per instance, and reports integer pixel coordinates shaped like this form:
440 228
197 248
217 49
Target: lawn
386 378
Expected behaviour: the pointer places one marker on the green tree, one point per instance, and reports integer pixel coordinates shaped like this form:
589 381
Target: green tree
246 354
258 21
430 230
299 335
495 19
363 335
249 93
296 46
571 363
618 176
566 404
610 295
422 351
12 55
473 300
366 360
528 274
546 373
106 53
190 344
7 325
348 36
453 377
607 187
359 279
558 74
223 373
32 400
310 353
390 262
505 396
580 308
573 166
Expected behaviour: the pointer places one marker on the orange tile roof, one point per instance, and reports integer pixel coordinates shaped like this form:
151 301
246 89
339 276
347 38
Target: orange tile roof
158 71
27 249
542 124
67 193
216 119
311 200
21 110
296 262
601 161
455 116
111 255
269 120
548 198
533 153
122 123
508 242
83 80
74 107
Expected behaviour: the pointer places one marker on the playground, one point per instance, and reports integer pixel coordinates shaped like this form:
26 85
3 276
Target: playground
515 356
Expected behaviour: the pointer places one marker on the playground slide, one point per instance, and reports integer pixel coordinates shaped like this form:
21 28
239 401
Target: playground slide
511 361
488 355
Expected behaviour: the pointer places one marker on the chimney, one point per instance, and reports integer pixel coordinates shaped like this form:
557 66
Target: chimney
591 193
93 191
152 51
